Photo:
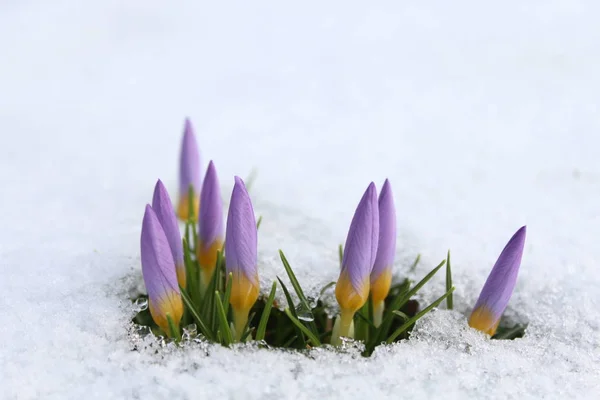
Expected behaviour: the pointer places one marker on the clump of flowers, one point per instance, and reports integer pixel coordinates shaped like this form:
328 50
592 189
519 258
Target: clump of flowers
209 277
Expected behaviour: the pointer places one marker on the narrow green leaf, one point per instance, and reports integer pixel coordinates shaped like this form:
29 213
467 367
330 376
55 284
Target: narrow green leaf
216 287
415 263
396 304
207 302
325 334
192 309
386 324
401 288
292 307
412 320
262 325
361 325
247 329
290 341
401 314
365 320
186 234
449 299
194 236
315 341
227 292
341 254
292 277
298 289
511 333
422 282
191 215
372 328
187 262
258 222
223 324
173 329
330 284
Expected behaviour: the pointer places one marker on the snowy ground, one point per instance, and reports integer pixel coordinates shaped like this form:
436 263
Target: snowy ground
483 118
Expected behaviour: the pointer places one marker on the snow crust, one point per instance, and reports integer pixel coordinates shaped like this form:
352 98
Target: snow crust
484 118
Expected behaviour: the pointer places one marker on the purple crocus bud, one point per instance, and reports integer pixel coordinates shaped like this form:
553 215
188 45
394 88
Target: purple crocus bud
158 269
241 255
499 286
352 288
381 276
189 172
211 231
162 206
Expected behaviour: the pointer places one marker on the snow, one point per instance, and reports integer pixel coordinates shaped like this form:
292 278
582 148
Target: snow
484 118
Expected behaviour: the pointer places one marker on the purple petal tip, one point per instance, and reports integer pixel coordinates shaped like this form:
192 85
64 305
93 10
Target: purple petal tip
241 234
386 249
158 267
211 212
189 161
499 286
362 240
163 208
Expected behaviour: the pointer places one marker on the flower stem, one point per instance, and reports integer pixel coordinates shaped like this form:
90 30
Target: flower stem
378 313
240 319
344 326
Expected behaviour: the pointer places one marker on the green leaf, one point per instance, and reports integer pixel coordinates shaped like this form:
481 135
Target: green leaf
315 341
258 222
292 277
227 292
365 320
401 314
415 263
341 254
191 215
325 334
412 320
293 309
195 237
516 331
396 304
173 329
362 325
449 299
192 309
401 288
298 289
262 325
223 324
290 341
422 282
330 284
247 329
207 310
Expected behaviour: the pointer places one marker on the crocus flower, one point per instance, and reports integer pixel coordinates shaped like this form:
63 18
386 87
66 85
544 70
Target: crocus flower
211 231
352 289
241 255
162 206
189 172
381 276
158 269
499 286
